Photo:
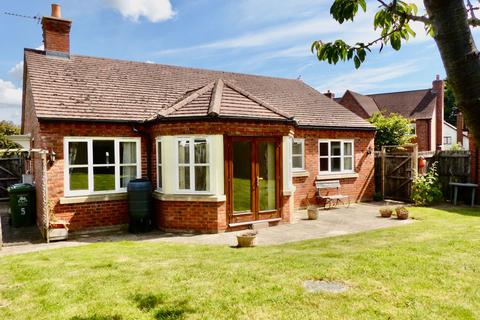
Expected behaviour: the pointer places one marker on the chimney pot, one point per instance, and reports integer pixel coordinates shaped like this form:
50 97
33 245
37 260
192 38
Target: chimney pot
437 77
56 10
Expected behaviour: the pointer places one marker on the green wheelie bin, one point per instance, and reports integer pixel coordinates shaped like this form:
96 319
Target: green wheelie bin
22 205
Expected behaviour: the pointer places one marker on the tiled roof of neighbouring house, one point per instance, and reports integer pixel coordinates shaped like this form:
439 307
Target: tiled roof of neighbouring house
89 88
415 104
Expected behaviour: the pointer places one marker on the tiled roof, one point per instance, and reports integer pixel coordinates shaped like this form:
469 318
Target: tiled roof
367 103
415 104
89 88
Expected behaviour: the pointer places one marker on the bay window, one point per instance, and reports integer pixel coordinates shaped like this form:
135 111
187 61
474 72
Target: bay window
335 156
193 165
298 155
100 165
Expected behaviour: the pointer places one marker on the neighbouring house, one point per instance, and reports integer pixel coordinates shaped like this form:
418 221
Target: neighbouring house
424 108
450 137
223 150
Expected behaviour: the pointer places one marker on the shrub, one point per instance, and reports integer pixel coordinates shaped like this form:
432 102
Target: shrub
426 189
377 196
392 130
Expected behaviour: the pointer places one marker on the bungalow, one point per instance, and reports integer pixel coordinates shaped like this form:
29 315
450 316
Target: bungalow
423 107
224 150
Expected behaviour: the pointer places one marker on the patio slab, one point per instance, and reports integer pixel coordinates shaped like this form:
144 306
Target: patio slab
358 218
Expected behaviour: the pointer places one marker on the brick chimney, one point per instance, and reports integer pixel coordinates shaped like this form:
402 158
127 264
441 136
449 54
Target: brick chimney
438 88
56 33
460 128
329 94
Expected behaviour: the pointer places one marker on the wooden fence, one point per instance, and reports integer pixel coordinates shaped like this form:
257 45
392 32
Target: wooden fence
10 173
394 179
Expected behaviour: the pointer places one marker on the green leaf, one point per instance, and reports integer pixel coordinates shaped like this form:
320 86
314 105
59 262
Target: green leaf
357 62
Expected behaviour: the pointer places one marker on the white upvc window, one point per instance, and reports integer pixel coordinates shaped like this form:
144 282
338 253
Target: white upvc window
335 156
193 165
98 165
298 155
159 165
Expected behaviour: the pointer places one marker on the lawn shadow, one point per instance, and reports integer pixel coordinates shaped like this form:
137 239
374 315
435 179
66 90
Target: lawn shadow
461 210
161 307
147 302
173 311
98 317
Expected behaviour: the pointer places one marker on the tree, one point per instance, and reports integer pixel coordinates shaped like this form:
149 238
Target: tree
7 128
451 109
447 21
392 130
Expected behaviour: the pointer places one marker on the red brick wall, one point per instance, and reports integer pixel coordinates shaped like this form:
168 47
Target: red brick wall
192 216
360 188
438 88
82 216
349 102
56 34
424 135
205 217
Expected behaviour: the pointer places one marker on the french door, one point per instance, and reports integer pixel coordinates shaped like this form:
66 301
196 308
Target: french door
253 171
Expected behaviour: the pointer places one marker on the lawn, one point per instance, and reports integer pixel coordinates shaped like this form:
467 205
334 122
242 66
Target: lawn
426 270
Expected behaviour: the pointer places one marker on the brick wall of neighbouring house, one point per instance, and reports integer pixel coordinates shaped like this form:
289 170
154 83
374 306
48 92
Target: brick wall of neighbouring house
349 102
360 188
424 135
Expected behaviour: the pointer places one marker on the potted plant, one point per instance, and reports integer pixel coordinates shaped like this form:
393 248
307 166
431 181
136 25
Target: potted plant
402 213
247 239
386 212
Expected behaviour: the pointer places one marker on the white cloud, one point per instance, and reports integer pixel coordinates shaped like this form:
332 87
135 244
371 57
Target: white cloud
365 79
153 10
17 72
10 101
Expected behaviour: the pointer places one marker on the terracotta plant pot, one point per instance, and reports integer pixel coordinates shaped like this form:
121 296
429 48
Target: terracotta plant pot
402 213
386 212
312 213
246 239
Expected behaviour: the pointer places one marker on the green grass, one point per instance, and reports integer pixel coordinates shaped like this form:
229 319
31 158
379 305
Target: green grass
426 270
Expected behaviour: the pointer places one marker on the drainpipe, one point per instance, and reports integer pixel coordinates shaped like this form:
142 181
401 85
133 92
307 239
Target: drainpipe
148 140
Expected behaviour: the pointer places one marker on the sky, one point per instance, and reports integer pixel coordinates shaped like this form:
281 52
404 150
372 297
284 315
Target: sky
264 37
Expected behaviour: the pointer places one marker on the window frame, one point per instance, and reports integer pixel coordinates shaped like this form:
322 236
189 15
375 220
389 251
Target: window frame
446 139
90 165
302 142
342 156
191 165
159 164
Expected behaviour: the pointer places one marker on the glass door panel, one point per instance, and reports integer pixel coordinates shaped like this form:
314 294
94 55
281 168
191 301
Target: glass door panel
242 176
266 179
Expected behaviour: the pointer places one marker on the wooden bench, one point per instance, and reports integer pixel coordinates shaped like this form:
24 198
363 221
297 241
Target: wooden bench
331 200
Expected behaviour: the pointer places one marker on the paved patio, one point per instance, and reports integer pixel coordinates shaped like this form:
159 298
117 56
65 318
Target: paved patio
335 222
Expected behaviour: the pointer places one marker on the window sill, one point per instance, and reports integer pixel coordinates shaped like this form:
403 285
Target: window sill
300 173
189 197
94 198
330 176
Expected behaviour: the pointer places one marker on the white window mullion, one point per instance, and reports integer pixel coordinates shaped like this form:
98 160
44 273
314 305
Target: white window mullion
116 151
90 164
192 164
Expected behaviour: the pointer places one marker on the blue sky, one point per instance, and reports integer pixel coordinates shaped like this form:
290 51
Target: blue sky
266 37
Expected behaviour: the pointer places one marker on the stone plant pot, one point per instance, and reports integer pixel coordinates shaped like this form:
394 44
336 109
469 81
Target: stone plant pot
402 213
386 212
312 213
246 239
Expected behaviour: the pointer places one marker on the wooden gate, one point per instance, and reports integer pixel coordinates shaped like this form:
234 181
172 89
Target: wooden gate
398 167
10 173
